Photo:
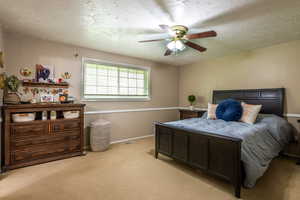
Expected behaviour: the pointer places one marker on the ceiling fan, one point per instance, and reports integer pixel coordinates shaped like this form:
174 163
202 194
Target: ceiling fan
180 39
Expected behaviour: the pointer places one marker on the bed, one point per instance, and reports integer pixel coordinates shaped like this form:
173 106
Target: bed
221 154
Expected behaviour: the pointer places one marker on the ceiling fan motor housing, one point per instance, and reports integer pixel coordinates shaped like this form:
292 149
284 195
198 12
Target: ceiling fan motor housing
179 30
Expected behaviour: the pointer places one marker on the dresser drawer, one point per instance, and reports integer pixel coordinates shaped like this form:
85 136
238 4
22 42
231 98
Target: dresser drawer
42 151
186 114
29 130
65 125
24 142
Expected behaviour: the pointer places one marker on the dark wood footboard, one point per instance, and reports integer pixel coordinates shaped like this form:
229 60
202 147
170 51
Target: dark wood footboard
215 154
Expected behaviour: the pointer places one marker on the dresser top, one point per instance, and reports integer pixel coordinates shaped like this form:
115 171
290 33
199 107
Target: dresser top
42 105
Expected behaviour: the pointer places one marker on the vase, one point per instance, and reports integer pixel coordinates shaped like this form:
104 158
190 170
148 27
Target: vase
191 107
11 98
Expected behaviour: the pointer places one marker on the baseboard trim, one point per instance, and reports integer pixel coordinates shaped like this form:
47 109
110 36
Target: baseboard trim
131 139
291 155
137 110
292 115
88 147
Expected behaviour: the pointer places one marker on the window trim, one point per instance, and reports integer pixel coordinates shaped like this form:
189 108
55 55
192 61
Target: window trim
117 98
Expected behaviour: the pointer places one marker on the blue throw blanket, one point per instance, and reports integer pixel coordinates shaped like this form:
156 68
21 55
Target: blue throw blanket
262 141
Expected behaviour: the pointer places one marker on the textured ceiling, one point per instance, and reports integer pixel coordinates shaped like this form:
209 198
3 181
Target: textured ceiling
116 25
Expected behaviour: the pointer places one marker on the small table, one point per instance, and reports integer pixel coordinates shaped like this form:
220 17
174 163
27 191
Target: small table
186 113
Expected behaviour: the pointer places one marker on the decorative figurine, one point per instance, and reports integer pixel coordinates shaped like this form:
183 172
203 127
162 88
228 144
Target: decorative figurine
26 90
66 75
63 97
25 71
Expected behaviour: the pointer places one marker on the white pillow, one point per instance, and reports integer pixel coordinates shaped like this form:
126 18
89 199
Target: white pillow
211 111
250 113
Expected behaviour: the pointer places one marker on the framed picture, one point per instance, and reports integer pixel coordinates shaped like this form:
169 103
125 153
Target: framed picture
47 98
44 73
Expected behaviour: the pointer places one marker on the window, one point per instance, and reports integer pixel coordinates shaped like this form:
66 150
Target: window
108 81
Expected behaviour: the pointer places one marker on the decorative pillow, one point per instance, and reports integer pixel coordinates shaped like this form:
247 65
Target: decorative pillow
211 111
229 110
250 113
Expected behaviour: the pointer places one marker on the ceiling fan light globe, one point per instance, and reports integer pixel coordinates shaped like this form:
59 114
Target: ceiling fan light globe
176 45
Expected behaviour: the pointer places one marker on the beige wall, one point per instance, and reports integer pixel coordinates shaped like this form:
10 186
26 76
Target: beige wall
133 124
271 67
276 66
24 51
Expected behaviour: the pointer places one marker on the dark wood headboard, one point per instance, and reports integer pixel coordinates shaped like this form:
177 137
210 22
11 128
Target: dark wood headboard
272 100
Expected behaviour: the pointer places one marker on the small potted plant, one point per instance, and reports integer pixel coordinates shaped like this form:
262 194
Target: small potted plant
10 85
192 100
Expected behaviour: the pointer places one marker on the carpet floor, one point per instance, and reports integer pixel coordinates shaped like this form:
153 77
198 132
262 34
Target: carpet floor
130 172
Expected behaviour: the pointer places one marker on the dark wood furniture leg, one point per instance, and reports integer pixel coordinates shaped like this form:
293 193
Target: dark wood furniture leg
239 170
237 189
238 192
298 145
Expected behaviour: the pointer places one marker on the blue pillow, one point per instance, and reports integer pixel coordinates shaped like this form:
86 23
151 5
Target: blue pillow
229 110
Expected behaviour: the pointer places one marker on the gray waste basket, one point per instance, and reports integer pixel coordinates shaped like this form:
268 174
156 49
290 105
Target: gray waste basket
100 135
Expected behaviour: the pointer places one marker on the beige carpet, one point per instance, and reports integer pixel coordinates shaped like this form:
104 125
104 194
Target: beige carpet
130 172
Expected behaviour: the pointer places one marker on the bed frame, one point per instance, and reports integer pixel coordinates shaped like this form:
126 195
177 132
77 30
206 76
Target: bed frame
216 154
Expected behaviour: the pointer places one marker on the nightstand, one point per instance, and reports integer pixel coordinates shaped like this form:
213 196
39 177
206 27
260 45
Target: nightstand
186 113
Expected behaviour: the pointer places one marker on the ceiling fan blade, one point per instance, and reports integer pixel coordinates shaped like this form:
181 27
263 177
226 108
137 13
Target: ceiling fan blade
195 46
164 27
168 52
201 35
152 40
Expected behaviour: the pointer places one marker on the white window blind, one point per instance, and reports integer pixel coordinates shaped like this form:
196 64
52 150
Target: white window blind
112 81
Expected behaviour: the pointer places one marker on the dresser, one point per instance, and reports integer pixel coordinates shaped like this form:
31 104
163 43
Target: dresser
43 139
186 113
